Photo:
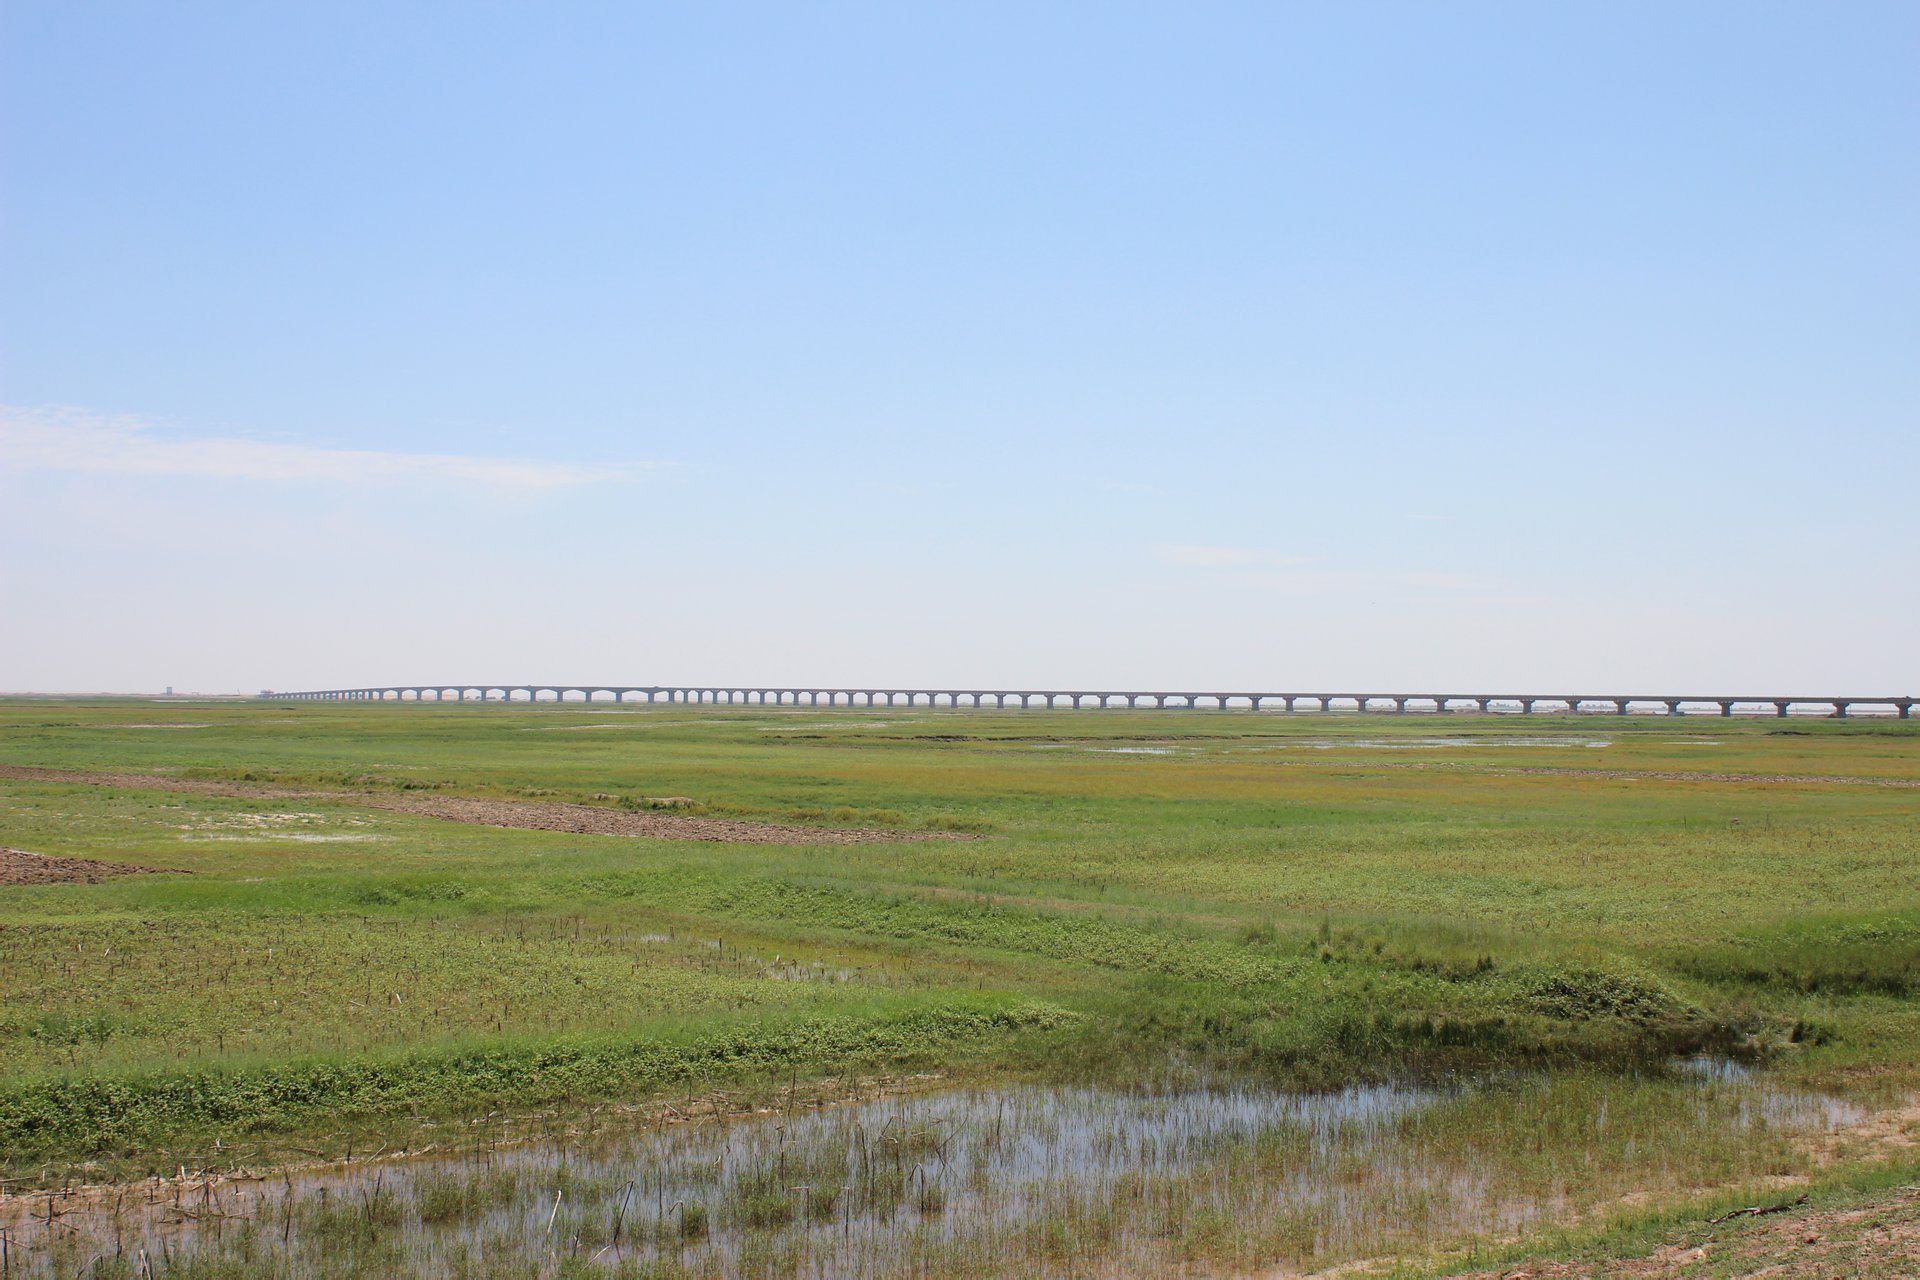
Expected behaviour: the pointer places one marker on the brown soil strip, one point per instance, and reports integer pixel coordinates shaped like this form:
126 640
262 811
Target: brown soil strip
589 819
154 782
584 819
17 866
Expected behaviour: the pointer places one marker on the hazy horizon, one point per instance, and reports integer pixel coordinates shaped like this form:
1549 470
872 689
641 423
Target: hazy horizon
1238 345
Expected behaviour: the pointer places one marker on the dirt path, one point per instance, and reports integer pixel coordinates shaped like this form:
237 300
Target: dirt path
1801 1242
584 819
17 866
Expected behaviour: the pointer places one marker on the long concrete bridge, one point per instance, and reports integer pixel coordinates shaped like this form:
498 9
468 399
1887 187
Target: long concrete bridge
1079 699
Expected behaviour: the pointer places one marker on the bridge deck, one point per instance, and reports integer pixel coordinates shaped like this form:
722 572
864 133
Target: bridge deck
1088 699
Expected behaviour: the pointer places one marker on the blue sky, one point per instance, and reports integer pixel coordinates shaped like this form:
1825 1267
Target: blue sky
1399 345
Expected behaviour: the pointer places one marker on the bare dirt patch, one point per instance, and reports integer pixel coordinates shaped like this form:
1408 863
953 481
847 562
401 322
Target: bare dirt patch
1881 1238
17 866
583 819
589 819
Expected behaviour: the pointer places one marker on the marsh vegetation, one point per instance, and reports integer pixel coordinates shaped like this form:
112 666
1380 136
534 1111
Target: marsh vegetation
1222 992
1020 1180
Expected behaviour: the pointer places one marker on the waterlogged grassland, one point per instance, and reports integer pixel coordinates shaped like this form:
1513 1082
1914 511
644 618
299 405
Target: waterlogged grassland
1294 901
1002 1181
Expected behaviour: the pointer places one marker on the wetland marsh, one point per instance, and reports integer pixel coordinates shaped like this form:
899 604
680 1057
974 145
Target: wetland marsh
1222 993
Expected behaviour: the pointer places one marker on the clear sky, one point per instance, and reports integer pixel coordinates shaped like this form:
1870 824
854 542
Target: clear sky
1264 345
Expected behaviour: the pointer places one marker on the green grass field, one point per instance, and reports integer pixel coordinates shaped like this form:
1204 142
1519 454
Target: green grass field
1301 902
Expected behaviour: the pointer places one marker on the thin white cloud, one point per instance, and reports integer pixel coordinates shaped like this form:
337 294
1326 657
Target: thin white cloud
62 439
